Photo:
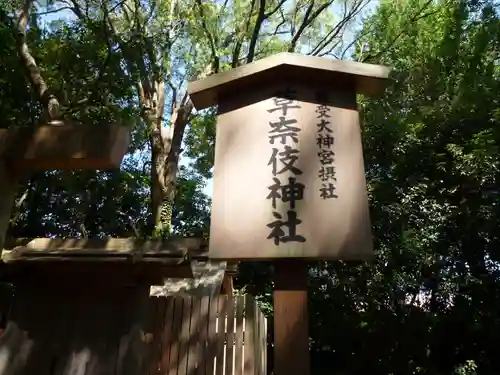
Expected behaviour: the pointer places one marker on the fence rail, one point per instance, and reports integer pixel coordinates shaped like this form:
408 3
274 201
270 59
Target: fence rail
207 336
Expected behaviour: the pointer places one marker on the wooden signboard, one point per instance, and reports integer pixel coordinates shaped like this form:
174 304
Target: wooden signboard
289 177
289 180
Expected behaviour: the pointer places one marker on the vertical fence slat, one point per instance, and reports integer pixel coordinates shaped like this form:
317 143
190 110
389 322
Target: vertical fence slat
258 335
211 339
184 336
167 333
259 343
176 333
263 342
194 339
238 358
230 337
264 347
202 349
63 331
78 326
221 333
198 336
249 358
157 323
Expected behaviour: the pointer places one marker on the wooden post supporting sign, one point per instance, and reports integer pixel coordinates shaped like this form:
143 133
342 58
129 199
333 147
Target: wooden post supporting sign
289 181
291 323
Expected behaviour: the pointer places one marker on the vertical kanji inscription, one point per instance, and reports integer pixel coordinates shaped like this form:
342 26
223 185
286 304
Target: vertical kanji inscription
326 142
284 187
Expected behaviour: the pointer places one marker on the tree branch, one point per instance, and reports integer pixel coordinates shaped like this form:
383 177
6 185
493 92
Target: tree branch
239 42
174 95
222 9
160 102
275 32
309 17
18 205
329 50
53 11
211 39
256 31
50 102
339 27
293 24
278 7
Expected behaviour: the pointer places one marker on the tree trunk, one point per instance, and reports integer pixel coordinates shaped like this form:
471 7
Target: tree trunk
158 169
49 101
8 190
166 148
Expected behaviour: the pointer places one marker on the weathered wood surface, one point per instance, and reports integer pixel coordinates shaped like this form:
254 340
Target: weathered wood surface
76 330
64 147
291 319
113 249
117 330
124 258
207 336
227 285
93 273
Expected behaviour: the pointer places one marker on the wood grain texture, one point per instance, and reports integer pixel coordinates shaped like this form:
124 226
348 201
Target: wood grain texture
221 337
73 330
64 147
100 249
114 274
291 323
194 341
250 338
238 340
125 257
204 344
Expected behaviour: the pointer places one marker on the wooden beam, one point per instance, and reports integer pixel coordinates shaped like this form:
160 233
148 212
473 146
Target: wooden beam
232 268
227 287
98 274
65 147
113 249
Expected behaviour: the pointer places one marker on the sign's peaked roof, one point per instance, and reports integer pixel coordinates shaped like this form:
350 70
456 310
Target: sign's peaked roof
368 79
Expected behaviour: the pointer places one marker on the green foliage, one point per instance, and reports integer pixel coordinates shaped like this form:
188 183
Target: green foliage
468 368
428 303
200 142
191 209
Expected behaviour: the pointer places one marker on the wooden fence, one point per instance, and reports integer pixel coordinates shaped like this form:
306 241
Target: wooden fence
207 336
